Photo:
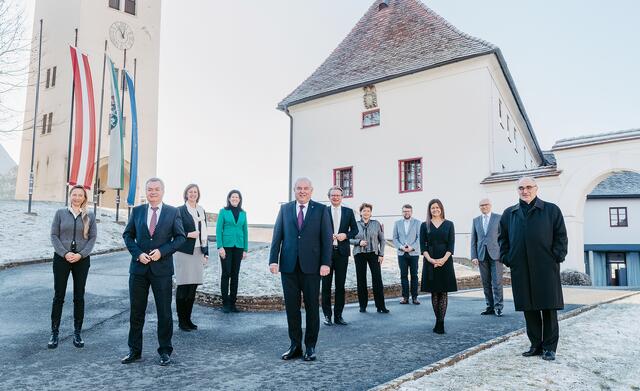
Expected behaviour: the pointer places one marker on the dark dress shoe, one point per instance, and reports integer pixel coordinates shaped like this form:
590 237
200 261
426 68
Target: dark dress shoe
226 309
404 301
488 311
310 354
53 341
327 321
383 311
192 325
234 308
548 355
416 301
532 352
77 340
340 321
363 309
439 328
293 352
131 357
164 359
498 313
184 326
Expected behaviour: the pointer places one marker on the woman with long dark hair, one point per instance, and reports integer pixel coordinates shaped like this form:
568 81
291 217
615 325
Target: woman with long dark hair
437 241
191 257
73 235
232 238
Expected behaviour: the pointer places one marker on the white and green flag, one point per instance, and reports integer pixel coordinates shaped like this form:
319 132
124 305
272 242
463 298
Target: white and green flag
115 176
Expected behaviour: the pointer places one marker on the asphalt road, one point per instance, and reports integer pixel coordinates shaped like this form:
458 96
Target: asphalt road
229 351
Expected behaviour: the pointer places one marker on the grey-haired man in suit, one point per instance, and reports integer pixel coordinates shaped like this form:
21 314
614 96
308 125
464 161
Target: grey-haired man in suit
485 253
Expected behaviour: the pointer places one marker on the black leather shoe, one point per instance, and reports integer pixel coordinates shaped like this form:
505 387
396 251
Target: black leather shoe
131 357
415 301
340 321
488 311
532 352
234 308
164 359
294 351
226 309
327 321
383 311
184 326
498 313
548 355
363 309
310 354
77 340
192 325
404 300
53 341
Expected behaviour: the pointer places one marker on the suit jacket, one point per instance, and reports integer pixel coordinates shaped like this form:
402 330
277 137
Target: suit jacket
168 237
189 226
489 241
230 233
348 226
412 238
311 245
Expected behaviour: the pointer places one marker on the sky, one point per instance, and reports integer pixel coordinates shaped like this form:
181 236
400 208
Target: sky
224 65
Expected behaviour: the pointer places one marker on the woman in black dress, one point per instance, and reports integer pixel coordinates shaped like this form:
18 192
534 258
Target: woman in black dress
437 239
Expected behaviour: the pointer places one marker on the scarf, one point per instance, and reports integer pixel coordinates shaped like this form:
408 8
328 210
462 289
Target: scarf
199 217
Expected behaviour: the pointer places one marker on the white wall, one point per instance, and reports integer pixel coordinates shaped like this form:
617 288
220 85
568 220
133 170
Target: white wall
596 222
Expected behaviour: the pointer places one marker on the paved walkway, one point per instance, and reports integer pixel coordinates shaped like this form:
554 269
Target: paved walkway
230 351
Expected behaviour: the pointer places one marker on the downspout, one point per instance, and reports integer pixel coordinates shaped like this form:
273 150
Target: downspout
286 111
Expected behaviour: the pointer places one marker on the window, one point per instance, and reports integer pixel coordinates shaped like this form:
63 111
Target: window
618 217
53 76
500 109
46 84
49 122
44 124
410 175
115 4
130 6
509 128
343 177
371 118
515 139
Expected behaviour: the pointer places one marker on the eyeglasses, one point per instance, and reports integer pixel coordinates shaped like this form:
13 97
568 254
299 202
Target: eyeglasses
527 188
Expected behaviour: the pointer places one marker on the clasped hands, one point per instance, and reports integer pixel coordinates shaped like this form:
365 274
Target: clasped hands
435 262
324 269
72 257
340 237
145 258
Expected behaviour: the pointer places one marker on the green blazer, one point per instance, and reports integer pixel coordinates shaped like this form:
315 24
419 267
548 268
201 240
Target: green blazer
232 234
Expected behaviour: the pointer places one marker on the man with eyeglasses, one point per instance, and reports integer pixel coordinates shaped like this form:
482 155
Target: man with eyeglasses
533 243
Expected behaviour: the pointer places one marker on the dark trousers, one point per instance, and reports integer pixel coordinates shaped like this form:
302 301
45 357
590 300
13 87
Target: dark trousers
542 329
230 269
185 297
408 262
362 260
138 295
340 264
294 284
61 269
491 274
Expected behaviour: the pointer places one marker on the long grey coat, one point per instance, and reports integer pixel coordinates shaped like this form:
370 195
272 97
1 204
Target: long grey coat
533 246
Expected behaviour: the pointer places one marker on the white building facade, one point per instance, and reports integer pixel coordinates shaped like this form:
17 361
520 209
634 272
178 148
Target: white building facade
138 21
408 108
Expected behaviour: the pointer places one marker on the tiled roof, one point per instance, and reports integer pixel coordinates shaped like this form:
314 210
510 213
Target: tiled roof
592 139
622 184
402 38
509 176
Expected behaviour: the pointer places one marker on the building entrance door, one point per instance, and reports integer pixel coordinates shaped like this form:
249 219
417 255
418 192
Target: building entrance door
616 269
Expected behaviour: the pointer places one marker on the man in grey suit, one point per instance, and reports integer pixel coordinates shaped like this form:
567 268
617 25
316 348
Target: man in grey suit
406 238
485 253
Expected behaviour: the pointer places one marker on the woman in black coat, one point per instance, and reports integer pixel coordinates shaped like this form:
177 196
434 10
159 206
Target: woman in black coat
437 240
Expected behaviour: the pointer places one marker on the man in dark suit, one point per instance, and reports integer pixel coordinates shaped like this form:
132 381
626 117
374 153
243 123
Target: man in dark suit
485 253
301 250
154 232
344 226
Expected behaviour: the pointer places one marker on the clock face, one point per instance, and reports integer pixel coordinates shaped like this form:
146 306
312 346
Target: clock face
121 35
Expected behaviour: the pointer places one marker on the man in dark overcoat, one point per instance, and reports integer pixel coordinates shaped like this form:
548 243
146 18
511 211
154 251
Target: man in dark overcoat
533 243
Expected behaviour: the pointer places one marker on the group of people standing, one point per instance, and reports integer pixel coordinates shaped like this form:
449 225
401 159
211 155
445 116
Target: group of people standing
154 233
311 244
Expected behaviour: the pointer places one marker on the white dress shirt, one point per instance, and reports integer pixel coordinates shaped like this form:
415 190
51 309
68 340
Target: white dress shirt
150 213
336 215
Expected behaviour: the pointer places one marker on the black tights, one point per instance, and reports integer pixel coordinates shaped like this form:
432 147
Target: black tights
439 301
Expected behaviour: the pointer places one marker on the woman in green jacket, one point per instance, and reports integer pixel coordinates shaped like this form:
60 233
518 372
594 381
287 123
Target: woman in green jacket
232 238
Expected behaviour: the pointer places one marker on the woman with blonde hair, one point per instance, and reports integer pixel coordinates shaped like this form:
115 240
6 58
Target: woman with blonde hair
73 235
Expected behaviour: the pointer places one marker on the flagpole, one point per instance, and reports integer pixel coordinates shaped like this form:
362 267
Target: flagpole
73 91
35 119
124 65
135 65
96 189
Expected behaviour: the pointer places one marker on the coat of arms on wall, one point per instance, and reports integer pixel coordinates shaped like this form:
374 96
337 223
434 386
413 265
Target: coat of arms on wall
370 98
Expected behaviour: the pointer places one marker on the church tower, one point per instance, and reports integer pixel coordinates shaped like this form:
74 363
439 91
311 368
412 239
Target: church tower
133 25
